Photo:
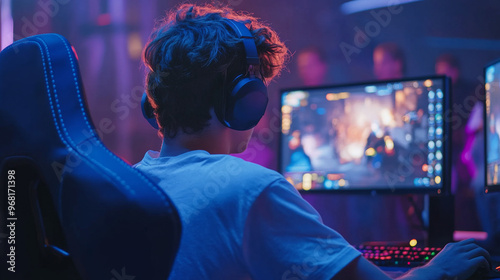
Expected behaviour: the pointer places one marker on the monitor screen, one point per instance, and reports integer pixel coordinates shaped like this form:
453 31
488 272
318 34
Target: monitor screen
492 125
379 136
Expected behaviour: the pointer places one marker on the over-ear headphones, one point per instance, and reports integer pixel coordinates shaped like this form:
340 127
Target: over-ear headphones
244 100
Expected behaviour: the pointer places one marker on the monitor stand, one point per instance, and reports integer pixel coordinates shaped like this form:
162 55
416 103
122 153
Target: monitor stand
441 220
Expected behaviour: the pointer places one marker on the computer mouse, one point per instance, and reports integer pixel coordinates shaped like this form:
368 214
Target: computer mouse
480 273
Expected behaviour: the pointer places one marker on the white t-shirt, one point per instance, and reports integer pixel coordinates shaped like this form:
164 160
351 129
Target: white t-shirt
243 221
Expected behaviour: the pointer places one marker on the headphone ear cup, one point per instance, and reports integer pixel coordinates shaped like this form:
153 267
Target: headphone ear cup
148 112
246 103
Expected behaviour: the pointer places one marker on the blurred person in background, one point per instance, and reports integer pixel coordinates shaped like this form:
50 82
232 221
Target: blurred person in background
312 66
388 61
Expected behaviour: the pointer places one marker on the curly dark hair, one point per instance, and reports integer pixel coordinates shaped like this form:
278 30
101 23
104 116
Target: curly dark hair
189 57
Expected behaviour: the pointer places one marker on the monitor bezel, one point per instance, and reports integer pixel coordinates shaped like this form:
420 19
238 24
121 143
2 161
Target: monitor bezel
446 185
493 187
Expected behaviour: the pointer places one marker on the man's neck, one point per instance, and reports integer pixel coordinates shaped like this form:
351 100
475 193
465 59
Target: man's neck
207 141
168 150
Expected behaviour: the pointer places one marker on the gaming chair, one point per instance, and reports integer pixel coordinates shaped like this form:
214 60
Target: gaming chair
70 209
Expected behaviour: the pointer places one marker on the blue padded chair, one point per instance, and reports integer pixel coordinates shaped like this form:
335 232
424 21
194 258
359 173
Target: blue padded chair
73 209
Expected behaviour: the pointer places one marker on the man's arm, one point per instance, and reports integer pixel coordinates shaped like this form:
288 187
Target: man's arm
456 261
360 268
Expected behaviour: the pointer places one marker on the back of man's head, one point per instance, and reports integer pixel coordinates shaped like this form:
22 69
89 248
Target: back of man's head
191 57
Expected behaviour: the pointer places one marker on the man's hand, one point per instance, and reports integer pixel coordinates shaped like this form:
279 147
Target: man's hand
460 260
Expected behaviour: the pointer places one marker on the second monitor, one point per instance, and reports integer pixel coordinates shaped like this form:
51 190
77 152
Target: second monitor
389 136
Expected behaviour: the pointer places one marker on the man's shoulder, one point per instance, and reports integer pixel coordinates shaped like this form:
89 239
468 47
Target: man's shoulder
235 177
246 170
202 168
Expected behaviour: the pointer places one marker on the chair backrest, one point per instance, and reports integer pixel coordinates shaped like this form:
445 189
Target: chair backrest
69 208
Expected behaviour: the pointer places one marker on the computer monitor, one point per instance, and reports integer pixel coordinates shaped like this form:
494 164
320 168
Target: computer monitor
492 126
384 136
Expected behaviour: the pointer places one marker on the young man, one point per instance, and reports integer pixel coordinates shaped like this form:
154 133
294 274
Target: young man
241 220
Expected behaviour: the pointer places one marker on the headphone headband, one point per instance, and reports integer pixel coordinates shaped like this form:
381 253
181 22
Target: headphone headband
250 49
244 103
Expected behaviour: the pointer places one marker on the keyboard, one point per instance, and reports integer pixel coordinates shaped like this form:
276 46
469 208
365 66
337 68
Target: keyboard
402 256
